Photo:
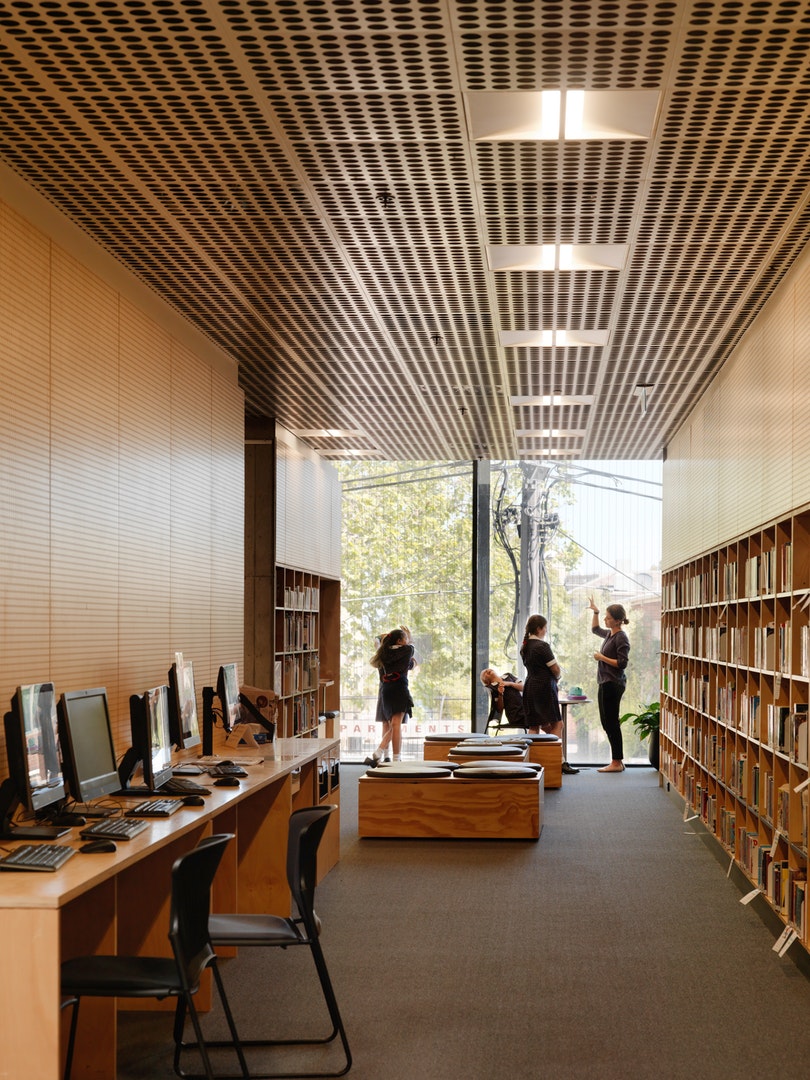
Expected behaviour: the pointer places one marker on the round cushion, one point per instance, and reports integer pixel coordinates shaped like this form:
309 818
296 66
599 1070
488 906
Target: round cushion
499 771
398 772
486 763
495 751
417 764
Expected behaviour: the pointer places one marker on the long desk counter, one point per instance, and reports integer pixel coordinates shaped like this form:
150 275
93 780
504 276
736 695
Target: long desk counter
119 902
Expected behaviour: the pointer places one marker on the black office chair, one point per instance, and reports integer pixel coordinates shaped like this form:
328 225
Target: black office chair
305 833
159 976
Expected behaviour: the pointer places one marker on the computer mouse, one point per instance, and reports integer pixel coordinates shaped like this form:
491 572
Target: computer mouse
227 781
193 800
98 847
225 761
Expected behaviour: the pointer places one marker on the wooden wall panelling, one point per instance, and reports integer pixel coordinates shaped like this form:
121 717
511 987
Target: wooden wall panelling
776 349
190 498
227 522
84 479
115 438
799 408
24 454
307 508
144 509
763 445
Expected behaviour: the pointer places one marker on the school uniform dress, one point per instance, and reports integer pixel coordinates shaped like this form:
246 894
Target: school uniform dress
540 704
395 694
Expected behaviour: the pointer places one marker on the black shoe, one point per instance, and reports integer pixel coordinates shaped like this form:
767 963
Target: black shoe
372 762
569 770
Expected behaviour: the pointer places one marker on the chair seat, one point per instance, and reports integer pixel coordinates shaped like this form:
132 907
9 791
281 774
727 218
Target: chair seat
253 930
120 976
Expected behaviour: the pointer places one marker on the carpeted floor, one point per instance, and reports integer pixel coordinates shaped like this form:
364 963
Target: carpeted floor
614 947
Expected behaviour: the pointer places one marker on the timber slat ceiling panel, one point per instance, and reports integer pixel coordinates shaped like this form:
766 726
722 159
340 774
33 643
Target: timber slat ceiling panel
298 179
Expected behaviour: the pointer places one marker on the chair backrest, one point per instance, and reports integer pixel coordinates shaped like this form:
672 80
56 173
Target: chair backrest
192 877
307 827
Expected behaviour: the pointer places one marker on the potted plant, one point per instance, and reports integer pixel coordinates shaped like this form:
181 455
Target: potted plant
646 721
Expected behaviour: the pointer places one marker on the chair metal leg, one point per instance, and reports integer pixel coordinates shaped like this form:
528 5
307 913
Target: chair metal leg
337 1029
74 1019
186 1005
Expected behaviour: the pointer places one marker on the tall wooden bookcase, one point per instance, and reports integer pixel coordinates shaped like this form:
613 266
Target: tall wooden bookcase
735 662
305 651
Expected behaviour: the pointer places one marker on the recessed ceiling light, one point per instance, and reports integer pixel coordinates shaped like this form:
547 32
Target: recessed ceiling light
548 339
535 115
553 399
329 433
549 433
546 257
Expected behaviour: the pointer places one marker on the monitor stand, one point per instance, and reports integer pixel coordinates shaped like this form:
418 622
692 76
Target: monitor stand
126 770
9 801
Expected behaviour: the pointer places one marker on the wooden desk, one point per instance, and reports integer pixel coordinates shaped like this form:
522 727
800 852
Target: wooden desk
119 903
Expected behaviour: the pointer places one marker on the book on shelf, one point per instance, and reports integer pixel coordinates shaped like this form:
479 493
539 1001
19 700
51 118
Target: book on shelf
778 727
783 809
798 734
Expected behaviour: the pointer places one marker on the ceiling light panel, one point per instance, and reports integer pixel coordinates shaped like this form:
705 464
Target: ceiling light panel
515 116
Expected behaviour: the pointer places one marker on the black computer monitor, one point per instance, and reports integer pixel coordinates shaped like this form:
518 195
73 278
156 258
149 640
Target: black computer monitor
35 769
151 741
184 727
88 752
228 694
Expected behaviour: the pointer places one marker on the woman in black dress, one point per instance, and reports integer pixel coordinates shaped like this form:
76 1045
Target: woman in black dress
393 659
540 703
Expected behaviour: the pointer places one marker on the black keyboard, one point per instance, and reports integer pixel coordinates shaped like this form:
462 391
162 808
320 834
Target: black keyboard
114 829
180 785
226 770
89 810
37 857
154 808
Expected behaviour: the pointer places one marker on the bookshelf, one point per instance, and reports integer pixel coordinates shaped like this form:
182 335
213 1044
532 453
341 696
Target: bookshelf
735 675
292 578
306 652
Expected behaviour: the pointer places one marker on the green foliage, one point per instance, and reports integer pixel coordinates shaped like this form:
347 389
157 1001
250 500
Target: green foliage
646 720
407 550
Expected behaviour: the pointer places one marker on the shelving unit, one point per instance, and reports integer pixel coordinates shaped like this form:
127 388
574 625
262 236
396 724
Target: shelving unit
735 644
307 612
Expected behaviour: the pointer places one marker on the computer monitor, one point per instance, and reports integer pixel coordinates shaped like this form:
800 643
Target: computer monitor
35 769
151 742
88 752
184 727
228 694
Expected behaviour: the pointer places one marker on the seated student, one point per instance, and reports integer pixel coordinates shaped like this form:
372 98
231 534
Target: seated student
507 697
505 691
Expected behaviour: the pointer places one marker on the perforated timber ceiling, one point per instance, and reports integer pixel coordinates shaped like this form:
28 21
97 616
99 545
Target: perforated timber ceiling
299 178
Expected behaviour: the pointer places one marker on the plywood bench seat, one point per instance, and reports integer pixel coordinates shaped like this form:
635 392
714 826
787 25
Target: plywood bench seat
545 750
392 803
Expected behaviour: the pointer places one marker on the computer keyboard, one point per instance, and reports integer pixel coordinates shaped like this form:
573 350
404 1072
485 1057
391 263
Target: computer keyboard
180 785
226 770
92 811
154 808
114 829
37 857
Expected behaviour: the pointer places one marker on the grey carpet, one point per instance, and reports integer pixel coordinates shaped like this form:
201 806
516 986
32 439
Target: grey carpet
615 946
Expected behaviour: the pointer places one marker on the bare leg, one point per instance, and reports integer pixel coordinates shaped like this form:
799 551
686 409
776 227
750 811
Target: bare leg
396 735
